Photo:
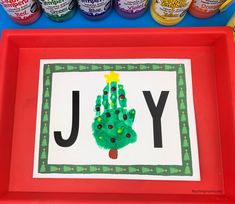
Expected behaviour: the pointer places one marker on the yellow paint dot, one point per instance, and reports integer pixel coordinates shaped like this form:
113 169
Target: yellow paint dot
120 130
99 119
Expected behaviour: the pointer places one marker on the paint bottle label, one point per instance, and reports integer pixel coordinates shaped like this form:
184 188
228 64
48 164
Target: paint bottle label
207 5
132 6
94 7
22 11
169 12
205 8
56 9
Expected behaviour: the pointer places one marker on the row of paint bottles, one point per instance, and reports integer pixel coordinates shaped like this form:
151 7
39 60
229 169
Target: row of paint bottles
171 12
26 12
97 9
165 12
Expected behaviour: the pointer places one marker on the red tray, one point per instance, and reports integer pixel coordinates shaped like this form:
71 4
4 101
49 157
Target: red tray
211 51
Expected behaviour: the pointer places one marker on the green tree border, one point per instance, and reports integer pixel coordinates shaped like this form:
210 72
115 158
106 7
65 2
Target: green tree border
164 170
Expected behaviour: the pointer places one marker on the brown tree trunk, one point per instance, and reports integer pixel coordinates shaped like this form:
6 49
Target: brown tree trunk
113 153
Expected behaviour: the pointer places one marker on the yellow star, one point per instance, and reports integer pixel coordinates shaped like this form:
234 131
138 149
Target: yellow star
112 77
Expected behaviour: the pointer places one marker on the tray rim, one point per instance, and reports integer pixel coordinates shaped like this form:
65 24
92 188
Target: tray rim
8 34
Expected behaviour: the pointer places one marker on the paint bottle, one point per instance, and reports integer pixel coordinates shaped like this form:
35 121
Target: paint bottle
22 11
205 8
59 10
131 8
169 12
95 9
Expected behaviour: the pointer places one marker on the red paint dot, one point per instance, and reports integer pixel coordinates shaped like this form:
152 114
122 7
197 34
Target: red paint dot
99 126
122 96
112 140
125 117
128 135
108 115
110 126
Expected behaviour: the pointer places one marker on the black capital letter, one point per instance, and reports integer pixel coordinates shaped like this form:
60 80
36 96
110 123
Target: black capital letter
75 125
156 113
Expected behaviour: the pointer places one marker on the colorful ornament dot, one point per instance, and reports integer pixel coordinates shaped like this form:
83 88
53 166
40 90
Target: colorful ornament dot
128 135
108 115
120 130
112 140
122 96
110 126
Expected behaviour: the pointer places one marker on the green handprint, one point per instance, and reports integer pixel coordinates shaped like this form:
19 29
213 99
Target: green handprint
112 128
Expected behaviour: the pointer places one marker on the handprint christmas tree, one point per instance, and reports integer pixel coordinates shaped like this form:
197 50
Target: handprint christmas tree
112 126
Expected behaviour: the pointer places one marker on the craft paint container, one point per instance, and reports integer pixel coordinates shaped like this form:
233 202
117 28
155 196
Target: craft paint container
131 8
169 12
205 8
59 10
22 11
95 9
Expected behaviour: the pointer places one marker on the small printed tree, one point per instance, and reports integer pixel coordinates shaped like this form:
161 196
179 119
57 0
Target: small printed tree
112 128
